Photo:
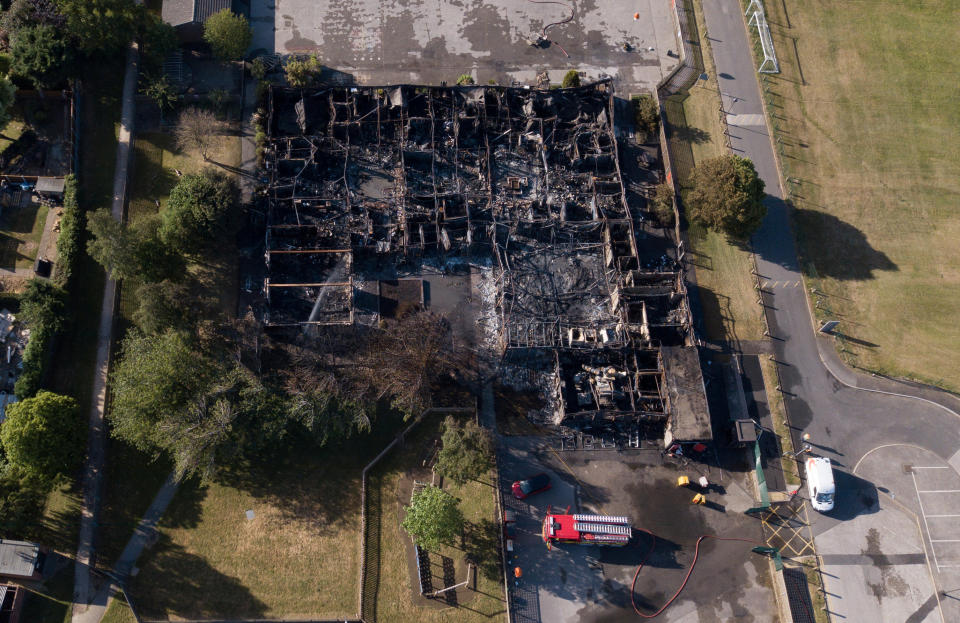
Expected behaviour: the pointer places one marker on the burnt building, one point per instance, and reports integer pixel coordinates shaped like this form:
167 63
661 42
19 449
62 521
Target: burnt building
524 184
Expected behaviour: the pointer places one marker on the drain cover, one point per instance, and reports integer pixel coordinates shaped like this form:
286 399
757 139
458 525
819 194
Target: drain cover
907 468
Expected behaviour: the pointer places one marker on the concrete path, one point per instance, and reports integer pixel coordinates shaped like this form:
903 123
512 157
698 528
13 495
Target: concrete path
93 468
822 397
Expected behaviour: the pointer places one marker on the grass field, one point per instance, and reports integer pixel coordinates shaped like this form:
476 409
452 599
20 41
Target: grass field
118 611
867 108
724 282
395 598
20 232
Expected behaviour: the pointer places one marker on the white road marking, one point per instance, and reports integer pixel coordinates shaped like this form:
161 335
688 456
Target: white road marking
931 467
913 476
939 491
945 540
943 515
746 120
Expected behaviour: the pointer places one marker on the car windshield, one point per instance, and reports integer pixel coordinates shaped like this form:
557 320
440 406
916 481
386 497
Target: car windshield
533 484
824 497
526 486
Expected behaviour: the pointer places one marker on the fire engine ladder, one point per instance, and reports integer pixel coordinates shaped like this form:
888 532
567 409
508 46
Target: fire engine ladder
603 519
601 528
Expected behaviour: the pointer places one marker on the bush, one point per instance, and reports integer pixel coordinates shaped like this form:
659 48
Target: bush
465 79
71 235
303 73
258 68
228 34
35 357
43 307
44 436
571 79
646 115
663 204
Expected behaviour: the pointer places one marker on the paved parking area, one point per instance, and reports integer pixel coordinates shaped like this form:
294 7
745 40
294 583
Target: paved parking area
891 547
391 41
592 584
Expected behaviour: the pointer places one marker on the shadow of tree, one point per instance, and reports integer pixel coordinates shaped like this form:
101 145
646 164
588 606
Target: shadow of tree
691 135
481 543
179 583
838 249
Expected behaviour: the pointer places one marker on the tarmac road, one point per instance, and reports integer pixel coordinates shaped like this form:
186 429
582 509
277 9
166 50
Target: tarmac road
845 423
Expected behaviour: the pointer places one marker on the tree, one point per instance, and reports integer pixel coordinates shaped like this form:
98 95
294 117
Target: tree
8 94
663 204
26 13
44 435
164 305
646 115
197 129
160 90
22 499
258 68
103 27
465 79
201 209
228 34
727 196
217 98
156 377
433 518
157 40
135 252
303 72
43 304
571 79
467 450
41 54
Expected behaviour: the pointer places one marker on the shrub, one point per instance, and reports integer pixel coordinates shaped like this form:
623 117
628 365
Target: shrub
663 204
646 115
228 34
465 79
71 235
571 79
303 73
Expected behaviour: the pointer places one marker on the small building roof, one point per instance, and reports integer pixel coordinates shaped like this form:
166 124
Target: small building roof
18 558
178 12
686 394
50 185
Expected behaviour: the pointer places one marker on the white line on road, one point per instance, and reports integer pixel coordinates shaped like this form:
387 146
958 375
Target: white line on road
945 540
913 476
943 515
931 467
939 491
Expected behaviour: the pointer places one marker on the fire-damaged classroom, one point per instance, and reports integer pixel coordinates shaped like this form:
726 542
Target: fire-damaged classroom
580 290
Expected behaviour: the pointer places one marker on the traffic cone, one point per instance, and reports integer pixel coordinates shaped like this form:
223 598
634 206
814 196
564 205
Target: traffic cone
636 15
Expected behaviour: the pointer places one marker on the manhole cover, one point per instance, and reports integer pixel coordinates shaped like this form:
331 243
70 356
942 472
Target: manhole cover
907 468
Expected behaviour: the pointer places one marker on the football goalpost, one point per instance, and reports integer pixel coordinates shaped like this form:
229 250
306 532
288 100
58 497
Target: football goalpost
759 19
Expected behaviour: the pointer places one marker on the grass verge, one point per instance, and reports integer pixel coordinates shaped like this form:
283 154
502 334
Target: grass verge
815 584
779 416
873 171
118 611
397 600
20 232
724 281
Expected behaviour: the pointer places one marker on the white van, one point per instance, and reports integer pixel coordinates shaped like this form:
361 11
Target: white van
820 483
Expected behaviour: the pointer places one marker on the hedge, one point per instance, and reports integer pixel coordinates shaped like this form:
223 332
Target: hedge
70 242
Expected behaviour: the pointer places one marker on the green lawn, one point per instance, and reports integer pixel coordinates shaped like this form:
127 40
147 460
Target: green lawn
118 611
724 281
20 232
867 109
51 602
395 597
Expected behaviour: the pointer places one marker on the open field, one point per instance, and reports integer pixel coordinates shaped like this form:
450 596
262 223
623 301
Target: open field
730 311
297 558
397 599
866 105
20 231
118 611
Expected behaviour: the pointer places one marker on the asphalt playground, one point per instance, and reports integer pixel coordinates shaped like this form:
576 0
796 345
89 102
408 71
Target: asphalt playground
397 41
592 584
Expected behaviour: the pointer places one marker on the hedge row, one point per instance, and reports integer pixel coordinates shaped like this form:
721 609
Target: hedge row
70 242
35 359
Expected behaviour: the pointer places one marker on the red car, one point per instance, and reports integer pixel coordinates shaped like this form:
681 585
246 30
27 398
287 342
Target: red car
523 489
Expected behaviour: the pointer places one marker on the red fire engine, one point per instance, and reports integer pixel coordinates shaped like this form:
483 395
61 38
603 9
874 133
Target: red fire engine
586 529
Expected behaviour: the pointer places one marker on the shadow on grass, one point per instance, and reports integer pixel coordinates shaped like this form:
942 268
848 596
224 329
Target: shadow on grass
185 585
839 250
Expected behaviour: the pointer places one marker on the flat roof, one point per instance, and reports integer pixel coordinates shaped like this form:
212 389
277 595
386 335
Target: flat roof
18 558
689 418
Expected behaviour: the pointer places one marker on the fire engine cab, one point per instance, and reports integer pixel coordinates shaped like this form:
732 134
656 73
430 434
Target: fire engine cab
586 529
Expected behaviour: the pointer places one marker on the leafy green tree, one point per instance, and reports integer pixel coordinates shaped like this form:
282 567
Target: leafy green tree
727 196
164 305
26 13
433 518
258 68
646 115
663 204
201 209
228 34
465 79
44 435
41 54
43 304
157 40
466 451
156 377
218 98
103 27
303 72
161 91
571 79
8 94
135 252
22 499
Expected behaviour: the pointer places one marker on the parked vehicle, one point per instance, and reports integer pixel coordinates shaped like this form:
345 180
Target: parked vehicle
820 483
523 489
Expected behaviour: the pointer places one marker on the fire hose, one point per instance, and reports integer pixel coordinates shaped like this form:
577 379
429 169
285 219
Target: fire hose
696 554
543 33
